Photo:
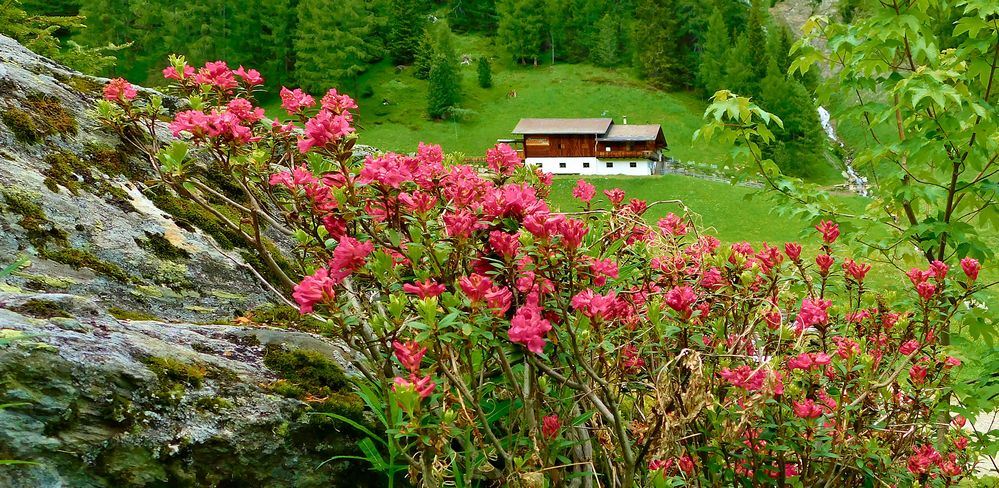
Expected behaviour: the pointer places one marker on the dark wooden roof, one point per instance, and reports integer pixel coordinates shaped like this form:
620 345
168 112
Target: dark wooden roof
632 133
563 126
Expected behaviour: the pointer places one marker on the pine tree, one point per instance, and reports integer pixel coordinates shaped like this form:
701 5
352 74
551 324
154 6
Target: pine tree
711 72
407 20
522 28
739 75
333 49
658 45
780 47
757 43
485 73
444 90
799 143
473 16
606 49
423 59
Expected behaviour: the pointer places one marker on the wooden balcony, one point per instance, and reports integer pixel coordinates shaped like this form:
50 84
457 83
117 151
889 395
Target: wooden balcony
626 154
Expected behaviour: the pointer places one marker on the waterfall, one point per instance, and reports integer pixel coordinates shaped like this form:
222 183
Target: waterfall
854 181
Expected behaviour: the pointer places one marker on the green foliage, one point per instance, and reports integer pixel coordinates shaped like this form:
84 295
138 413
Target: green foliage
444 91
711 72
756 42
406 23
522 29
472 15
657 30
607 46
21 125
423 58
485 73
344 49
799 143
40 32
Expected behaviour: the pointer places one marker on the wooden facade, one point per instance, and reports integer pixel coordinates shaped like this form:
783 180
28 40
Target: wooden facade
588 138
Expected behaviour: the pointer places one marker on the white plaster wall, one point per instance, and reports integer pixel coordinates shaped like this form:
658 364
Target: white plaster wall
643 167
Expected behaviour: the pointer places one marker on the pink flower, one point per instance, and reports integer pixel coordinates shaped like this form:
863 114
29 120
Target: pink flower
807 409
475 286
855 270
939 270
793 251
503 159
631 362
603 269
615 195
422 386
349 255
845 347
926 290
410 354
461 224
119 90
923 459
424 289
680 299
217 74
959 421
813 312
550 426
499 299
908 348
506 245
250 77
584 191
322 129
803 361
637 206
596 306
744 377
572 231
314 289
171 73
971 267
951 362
917 374
829 230
686 464
917 276
294 100
337 102
672 225
660 465
527 327
961 443
244 110
712 279
824 261
418 202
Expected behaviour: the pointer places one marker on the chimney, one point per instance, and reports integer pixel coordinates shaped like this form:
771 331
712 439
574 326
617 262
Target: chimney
624 120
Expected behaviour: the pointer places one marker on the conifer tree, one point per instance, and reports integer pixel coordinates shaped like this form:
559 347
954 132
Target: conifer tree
657 44
799 143
423 59
606 47
444 90
485 73
711 72
407 20
472 16
757 44
522 28
333 49
739 75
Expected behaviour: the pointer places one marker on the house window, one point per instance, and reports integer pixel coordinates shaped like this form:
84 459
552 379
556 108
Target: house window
586 165
607 148
633 164
610 165
561 165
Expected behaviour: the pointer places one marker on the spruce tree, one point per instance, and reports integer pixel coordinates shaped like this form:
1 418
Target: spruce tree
739 75
757 44
657 31
606 47
444 90
472 16
407 20
522 29
799 142
423 59
485 73
331 50
711 72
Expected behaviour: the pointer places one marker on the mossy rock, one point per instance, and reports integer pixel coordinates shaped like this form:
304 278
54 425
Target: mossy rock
79 258
162 248
122 314
21 125
111 161
41 309
66 170
51 116
40 230
190 215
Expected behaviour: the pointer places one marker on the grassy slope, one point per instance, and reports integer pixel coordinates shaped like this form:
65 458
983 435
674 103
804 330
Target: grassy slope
562 90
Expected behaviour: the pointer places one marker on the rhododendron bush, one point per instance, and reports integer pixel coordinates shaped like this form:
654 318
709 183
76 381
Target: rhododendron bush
503 342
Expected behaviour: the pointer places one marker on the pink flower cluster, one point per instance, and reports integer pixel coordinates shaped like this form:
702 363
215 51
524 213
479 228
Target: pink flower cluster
119 90
410 355
528 327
